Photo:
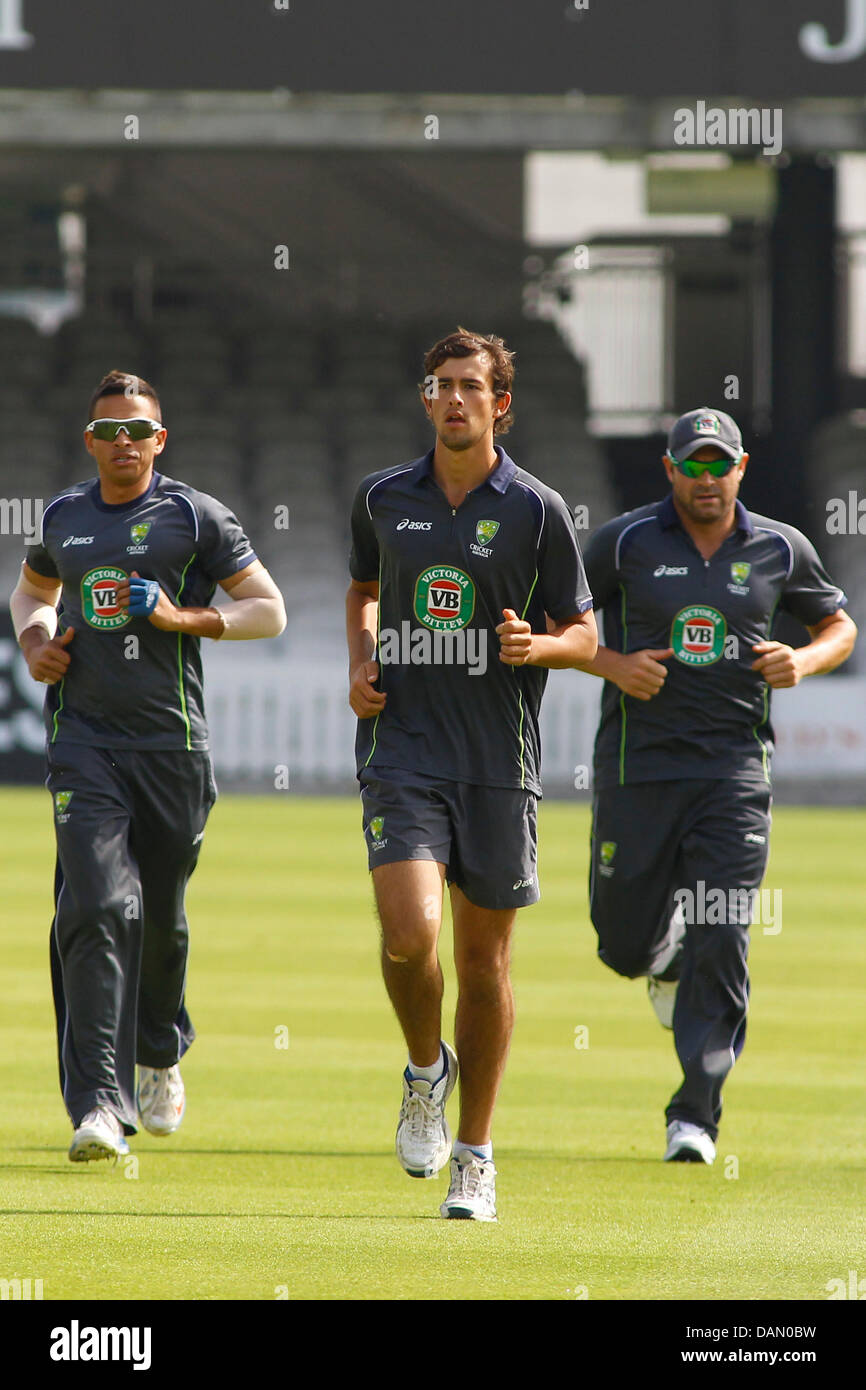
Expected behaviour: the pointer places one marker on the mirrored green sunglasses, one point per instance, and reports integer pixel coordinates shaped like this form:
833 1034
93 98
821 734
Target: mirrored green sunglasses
138 428
693 468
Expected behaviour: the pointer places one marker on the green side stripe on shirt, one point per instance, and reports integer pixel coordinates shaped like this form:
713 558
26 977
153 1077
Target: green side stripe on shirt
622 740
522 743
529 595
58 709
378 630
765 760
622 696
764 755
183 708
520 693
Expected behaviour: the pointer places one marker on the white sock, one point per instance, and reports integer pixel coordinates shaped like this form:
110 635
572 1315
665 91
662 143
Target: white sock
431 1074
480 1150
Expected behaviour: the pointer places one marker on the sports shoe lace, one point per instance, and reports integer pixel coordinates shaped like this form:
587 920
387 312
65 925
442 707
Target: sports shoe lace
421 1114
165 1089
471 1176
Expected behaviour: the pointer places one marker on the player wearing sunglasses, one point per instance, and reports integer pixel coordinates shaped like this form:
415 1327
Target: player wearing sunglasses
689 588
133 558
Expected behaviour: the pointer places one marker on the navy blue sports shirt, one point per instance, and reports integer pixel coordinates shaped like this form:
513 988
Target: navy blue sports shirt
115 694
712 716
454 710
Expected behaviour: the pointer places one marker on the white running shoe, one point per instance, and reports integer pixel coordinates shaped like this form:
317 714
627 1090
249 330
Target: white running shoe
672 946
100 1135
472 1194
688 1143
423 1138
161 1099
663 997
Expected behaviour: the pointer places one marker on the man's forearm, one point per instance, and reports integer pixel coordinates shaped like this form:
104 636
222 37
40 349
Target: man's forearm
256 609
35 607
606 663
34 635
827 650
362 618
198 622
565 647
248 618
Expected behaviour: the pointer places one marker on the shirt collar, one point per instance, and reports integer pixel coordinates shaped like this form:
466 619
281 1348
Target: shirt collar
96 496
668 516
500 479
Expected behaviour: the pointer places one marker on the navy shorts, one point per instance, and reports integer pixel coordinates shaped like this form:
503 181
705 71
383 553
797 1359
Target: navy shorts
485 836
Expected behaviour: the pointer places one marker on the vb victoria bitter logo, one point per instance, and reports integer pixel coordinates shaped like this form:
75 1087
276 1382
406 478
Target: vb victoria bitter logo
444 598
99 604
698 635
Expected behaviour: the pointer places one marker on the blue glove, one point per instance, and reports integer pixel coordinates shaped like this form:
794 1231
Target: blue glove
143 597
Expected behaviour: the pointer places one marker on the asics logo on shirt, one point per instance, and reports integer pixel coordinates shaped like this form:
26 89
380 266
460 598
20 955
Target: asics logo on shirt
407 525
669 569
77 540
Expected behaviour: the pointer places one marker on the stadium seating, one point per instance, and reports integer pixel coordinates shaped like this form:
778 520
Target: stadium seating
835 469
277 414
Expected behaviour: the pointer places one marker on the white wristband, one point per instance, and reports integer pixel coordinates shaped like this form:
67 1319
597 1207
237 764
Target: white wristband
28 606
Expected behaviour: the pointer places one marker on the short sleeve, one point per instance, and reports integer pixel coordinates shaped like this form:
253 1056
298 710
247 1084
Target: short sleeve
600 561
562 579
223 547
37 555
809 593
364 557
40 561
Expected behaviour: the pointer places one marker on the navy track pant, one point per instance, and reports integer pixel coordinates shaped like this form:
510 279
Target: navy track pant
129 827
702 845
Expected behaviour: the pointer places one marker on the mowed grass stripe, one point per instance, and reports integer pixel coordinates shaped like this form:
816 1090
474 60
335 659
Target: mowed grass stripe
283 1179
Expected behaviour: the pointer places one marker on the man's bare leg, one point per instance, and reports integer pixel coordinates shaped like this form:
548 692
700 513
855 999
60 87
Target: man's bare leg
409 901
485 1010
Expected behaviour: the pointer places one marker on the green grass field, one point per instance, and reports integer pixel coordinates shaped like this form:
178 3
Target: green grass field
282 1181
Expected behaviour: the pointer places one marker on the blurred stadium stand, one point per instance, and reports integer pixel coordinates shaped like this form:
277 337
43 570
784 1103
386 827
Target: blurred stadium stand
280 415
282 389
836 483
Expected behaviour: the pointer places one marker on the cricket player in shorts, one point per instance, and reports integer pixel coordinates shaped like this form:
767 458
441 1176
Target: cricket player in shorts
689 588
133 558
467 583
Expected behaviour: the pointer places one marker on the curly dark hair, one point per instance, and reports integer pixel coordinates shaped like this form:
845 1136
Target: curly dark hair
464 343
